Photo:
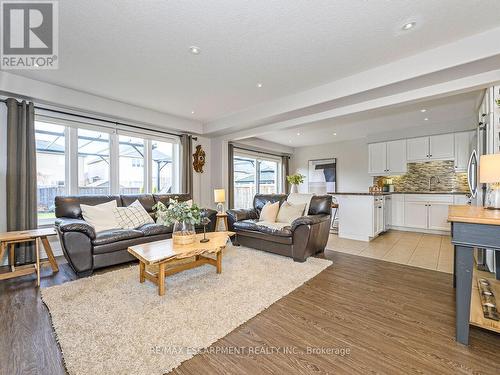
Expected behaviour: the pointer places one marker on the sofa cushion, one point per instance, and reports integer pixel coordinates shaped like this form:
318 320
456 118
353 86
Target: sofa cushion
269 212
69 206
253 225
261 199
114 235
132 216
146 200
100 216
289 212
154 229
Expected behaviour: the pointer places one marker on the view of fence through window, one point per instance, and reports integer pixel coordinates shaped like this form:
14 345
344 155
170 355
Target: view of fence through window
92 162
51 166
253 176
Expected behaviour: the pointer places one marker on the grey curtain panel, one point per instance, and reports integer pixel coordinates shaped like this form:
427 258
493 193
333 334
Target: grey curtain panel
21 173
285 162
187 168
230 168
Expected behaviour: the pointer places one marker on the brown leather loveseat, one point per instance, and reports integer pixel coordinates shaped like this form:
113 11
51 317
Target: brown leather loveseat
305 236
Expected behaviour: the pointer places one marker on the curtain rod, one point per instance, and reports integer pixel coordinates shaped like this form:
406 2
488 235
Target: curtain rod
104 120
237 146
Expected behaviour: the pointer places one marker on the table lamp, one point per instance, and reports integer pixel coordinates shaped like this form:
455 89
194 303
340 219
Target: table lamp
220 199
489 173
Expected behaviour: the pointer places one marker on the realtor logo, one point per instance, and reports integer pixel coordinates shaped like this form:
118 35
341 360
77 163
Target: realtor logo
29 35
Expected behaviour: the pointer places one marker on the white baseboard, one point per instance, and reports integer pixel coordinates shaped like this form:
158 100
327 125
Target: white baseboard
418 230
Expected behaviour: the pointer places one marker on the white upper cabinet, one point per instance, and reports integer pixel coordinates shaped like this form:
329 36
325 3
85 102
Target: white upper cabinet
386 158
396 157
463 143
418 149
441 147
377 158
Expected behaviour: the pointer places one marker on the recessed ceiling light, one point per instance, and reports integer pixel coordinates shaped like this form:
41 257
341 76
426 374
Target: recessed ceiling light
423 110
192 112
194 50
334 133
259 85
426 119
298 133
408 26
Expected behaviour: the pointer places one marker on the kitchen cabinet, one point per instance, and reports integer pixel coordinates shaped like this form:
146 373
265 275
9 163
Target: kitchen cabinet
397 210
387 158
387 212
416 215
463 149
435 147
377 158
418 149
396 157
378 216
441 147
427 211
438 216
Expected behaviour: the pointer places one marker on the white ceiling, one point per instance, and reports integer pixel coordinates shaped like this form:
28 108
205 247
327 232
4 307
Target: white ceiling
452 112
138 52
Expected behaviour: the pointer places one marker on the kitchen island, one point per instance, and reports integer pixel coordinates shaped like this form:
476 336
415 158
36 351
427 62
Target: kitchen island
363 216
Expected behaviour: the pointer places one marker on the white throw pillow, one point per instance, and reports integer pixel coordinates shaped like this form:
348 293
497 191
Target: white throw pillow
289 212
133 216
101 216
269 212
299 198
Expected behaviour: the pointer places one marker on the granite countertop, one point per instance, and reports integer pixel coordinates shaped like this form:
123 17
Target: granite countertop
403 192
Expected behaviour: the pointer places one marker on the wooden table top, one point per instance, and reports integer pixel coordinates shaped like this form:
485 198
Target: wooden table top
160 251
473 215
26 234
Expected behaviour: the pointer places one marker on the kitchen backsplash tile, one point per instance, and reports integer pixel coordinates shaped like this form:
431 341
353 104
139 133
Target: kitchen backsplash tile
417 177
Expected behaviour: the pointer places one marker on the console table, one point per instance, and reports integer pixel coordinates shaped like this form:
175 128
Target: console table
8 240
471 227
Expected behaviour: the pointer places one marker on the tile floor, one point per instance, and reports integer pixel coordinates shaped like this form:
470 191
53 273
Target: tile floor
429 251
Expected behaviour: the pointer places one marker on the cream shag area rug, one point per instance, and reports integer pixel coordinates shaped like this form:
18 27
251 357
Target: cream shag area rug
112 324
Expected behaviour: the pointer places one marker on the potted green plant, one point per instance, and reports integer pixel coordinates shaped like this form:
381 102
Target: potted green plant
295 180
498 102
182 216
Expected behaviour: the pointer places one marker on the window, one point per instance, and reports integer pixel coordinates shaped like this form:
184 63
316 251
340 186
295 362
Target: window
86 159
254 175
162 167
93 162
131 167
51 167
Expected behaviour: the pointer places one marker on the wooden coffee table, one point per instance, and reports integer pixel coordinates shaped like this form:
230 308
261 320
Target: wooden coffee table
160 259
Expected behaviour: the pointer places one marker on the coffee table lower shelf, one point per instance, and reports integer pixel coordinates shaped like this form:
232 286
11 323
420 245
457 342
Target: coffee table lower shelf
157 274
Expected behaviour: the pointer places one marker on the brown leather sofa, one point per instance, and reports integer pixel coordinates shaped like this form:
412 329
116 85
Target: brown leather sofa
306 236
87 250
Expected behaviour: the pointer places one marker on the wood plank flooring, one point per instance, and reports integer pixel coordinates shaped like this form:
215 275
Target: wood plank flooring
428 251
392 318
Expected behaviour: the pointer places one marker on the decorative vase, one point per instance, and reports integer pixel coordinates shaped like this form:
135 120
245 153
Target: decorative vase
183 233
294 188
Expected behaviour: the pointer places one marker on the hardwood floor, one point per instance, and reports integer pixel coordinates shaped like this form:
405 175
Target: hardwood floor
391 318
430 251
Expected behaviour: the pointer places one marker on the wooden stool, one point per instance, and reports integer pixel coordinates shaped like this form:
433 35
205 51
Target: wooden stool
9 240
221 217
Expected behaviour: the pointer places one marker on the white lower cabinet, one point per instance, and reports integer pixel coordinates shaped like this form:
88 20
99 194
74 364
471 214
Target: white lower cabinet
427 211
438 216
397 210
416 215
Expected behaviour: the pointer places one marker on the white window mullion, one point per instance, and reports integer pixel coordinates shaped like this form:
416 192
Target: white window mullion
148 168
72 158
114 164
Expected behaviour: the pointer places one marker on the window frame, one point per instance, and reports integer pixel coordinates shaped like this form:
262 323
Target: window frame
71 127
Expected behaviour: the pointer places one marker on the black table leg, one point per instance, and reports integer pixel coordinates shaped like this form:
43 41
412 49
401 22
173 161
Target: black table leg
464 263
497 262
454 266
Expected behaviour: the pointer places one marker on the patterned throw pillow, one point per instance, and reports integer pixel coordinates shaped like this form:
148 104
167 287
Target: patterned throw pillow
133 216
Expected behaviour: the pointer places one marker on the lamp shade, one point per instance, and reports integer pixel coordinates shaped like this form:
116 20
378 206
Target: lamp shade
489 169
219 195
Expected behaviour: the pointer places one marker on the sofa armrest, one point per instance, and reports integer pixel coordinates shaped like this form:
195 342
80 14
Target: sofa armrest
309 220
65 224
240 214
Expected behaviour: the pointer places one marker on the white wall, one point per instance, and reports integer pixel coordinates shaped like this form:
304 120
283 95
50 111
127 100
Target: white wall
352 164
